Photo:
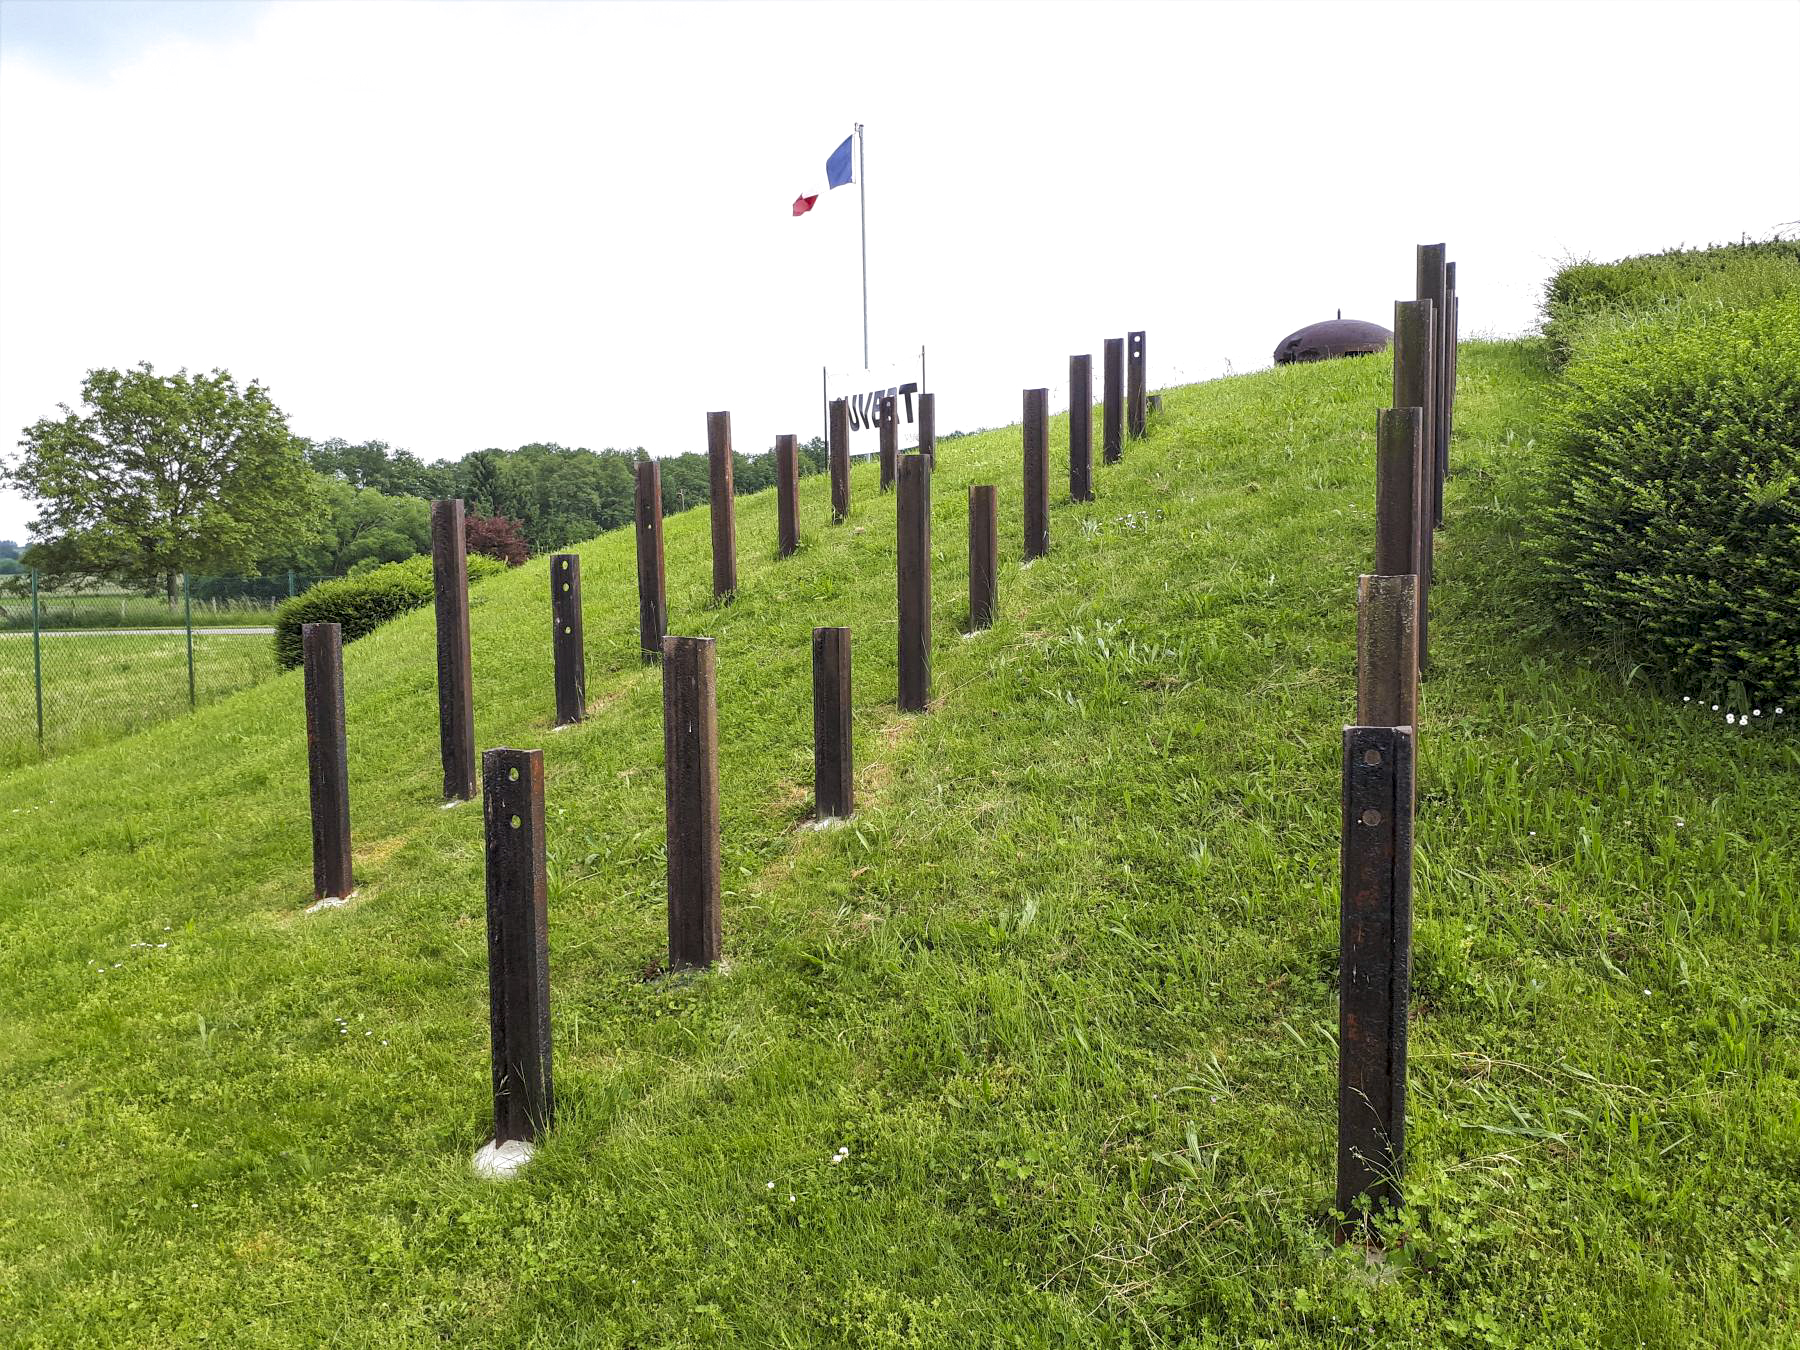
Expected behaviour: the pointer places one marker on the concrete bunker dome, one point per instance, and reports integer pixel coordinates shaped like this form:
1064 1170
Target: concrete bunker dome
1333 338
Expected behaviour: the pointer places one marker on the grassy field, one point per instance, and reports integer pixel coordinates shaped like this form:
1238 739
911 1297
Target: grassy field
99 686
1065 988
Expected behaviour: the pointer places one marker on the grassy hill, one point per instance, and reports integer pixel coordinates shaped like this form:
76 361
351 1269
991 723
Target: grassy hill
1065 989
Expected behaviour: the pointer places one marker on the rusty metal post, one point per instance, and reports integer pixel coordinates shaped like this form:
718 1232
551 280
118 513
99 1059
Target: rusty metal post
691 768
327 758
928 427
724 504
1387 651
1450 354
787 496
840 460
456 691
1112 443
914 559
984 556
1431 287
518 943
890 440
1414 388
1037 473
1397 433
1135 385
1081 428
1374 964
834 779
565 637
653 597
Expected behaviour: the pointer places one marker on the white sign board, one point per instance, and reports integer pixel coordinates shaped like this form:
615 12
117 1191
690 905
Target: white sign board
862 390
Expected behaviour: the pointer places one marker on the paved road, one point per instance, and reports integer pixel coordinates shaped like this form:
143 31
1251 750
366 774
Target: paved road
143 632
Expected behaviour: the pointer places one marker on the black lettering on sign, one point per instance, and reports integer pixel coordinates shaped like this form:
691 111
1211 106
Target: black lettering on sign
907 391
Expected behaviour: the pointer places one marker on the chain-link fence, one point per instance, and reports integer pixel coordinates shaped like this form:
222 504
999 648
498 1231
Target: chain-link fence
85 660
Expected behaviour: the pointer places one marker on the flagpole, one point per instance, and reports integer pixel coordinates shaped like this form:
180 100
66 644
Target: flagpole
862 190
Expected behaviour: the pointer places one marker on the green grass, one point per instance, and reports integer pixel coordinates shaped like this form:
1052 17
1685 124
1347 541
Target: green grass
1065 988
100 686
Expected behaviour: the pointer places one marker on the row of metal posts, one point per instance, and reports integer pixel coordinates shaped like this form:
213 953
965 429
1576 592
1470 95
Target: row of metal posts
512 779
1379 791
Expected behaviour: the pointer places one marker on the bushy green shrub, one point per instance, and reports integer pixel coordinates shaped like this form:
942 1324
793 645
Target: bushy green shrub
361 604
1674 527
1730 276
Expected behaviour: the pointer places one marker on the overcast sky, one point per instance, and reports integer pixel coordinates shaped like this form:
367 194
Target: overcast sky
457 225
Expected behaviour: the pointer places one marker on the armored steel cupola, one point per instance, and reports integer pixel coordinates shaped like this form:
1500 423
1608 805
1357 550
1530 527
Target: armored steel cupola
1333 338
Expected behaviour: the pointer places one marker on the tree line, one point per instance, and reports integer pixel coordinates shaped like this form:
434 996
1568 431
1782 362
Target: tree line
159 475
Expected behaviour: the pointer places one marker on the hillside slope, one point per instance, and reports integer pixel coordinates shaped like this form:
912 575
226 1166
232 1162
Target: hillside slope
1065 990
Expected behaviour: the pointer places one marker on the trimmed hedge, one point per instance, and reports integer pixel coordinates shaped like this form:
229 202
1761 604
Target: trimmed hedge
1674 531
361 604
1728 276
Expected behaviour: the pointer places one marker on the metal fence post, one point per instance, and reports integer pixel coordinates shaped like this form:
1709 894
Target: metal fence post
984 555
187 618
518 943
787 497
37 656
1374 964
1081 428
840 460
834 781
456 691
568 651
913 551
653 601
1136 385
888 439
928 427
724 505
1113 397
1037 473
327 759
691 774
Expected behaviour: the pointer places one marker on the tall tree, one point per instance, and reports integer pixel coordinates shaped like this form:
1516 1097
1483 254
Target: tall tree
164 474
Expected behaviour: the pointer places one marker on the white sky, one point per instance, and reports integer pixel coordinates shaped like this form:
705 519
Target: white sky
455 225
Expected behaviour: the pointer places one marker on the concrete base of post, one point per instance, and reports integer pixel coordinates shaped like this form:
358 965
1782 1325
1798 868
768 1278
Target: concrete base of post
500 1162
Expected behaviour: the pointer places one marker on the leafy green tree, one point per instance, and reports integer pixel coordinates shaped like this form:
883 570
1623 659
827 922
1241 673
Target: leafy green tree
164 474
8 548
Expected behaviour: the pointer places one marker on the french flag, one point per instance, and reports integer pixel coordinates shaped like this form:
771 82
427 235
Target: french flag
839 170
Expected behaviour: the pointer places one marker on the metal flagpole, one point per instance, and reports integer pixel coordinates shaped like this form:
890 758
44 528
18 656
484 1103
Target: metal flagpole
862 191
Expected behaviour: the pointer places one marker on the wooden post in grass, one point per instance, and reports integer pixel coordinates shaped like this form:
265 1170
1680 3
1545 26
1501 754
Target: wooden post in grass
834 783
724 505
1081 428
787 496
327 758
456 692
1112 441
984 556
691 767
1387 651
840 460
1037 473
1135 362
518 943
653 597
1374 964
914 558
889 434
565 640
1413 388
928 427
1431 287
